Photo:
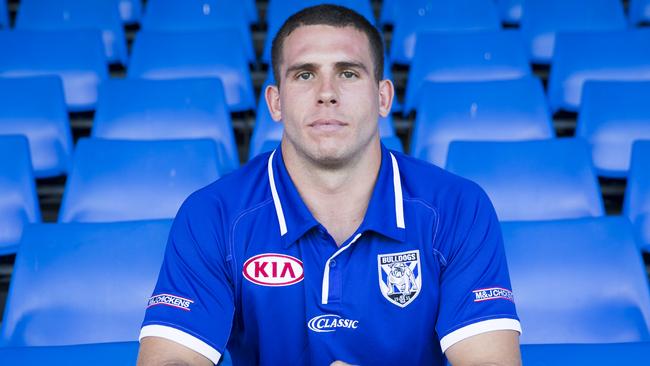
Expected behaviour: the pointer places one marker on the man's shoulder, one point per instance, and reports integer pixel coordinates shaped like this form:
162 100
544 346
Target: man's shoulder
233 192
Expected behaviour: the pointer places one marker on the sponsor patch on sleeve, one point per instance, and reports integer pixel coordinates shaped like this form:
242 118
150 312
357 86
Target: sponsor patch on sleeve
492 293
170 300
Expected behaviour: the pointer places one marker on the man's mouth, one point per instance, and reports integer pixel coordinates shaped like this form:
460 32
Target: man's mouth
327 125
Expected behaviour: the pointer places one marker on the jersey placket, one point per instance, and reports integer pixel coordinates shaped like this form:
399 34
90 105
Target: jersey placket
332 275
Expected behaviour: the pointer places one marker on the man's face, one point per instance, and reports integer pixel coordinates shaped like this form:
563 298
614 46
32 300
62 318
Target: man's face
329 100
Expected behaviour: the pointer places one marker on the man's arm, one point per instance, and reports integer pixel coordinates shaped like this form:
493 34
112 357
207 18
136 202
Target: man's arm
495 348
162 352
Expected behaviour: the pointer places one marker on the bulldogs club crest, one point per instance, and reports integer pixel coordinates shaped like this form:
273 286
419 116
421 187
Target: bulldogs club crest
400 279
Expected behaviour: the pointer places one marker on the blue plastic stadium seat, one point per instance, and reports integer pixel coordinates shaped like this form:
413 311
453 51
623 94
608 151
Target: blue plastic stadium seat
476 56
199 15
420 16
77 56
636 205
117 180
158 55
18 201
639 11
82 283
96 354
542 19
102 15
388 11
502 110
578 281
531 180
139 109
613 114
279 10
630 353
130 11
35 107
510 10
4 14
578 57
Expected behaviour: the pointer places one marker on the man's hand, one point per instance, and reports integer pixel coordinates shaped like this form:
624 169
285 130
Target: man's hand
496 348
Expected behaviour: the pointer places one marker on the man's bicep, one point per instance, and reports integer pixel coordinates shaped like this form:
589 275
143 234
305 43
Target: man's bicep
500 347
161 351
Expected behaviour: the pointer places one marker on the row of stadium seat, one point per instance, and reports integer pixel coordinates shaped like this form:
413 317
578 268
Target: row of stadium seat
575 281
561 14
125 353
540 19
76 57
612 116
116 180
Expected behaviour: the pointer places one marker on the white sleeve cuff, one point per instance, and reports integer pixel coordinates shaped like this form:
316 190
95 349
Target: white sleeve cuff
478 328
182 338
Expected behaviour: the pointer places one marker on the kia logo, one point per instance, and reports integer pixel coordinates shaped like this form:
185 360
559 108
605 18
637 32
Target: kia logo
271 269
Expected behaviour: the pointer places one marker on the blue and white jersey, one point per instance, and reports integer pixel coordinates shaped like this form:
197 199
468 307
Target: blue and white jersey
249 269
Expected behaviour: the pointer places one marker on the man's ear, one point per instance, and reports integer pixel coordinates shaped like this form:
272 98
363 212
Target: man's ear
272 96
386 95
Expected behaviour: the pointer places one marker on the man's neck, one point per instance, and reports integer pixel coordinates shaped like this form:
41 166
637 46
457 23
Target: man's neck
338 198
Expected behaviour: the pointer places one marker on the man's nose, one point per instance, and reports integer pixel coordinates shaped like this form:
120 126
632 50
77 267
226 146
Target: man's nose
327 94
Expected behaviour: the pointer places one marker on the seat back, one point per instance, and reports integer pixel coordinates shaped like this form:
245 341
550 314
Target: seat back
4 15
98 354
415 17
18 201
477 56
531 180
178 55
629 353
139 109
199 15
101 15
578 281
76 56
542 19
636 205
118 180
613 114
639 11
92 282
35 107
502 110
578 57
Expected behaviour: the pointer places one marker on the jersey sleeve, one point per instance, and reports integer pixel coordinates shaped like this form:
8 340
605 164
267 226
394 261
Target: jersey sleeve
192 303
475 291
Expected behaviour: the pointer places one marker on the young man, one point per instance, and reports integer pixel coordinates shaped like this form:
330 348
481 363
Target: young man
332 248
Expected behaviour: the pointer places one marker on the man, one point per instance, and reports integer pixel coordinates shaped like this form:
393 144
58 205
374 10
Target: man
332 248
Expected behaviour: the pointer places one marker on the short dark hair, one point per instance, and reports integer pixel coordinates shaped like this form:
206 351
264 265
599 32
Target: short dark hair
335 16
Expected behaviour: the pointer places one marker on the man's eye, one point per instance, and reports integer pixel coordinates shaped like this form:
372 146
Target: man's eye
305 75
348 74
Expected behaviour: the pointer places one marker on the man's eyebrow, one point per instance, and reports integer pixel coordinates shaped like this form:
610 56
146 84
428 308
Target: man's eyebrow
351 65
308 66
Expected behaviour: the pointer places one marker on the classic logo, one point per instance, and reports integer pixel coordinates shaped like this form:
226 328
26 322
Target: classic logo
170 300
492 293
400 279
271 269
330 322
